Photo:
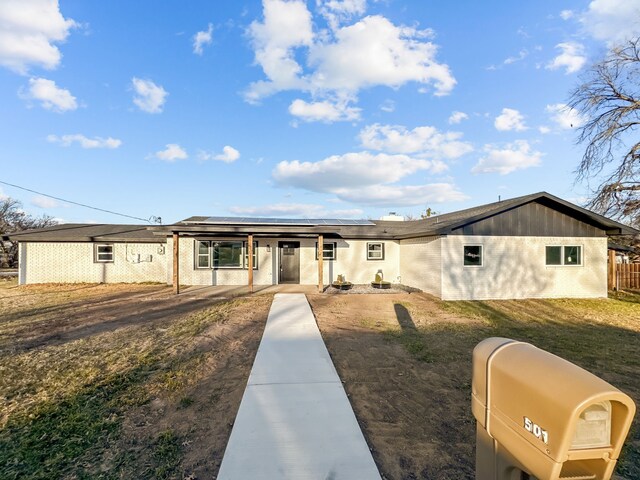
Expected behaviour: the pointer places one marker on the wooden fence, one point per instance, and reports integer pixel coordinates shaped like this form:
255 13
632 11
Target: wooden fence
627 276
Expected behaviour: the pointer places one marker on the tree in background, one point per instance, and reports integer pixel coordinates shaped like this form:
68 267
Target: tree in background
609 100
13 219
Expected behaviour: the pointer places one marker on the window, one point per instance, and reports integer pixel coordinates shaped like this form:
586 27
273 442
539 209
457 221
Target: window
203 254
328 251
103 253
227 254
212 254
473 255
375 251
255 255
563 255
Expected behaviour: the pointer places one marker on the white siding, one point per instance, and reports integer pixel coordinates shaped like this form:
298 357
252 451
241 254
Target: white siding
514 267
66 262
190 275
351 261
421 264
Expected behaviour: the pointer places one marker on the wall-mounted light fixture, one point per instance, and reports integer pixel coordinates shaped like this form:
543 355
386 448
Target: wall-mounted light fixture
269 248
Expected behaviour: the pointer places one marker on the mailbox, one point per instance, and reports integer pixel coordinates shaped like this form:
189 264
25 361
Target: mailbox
541 415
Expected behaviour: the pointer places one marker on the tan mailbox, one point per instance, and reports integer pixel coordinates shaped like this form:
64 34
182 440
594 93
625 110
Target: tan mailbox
542 415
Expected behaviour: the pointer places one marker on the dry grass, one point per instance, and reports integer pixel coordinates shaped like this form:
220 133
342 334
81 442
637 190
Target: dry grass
64 402
406 363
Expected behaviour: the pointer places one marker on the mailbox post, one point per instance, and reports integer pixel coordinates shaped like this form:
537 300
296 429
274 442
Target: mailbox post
540 415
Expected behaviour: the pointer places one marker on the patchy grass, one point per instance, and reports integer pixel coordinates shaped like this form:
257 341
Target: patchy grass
406 363
77 406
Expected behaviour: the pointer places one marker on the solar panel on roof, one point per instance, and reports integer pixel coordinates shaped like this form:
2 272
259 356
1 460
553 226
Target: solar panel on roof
282 221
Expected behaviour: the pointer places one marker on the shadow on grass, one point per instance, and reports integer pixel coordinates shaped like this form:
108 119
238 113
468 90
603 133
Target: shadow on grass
435 399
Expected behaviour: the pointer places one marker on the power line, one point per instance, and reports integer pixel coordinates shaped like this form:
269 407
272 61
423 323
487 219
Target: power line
149 220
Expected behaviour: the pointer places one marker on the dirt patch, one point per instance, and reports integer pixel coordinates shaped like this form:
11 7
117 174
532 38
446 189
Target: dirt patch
121 381
406 365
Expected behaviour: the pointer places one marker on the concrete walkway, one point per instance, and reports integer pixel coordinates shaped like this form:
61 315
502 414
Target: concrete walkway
295 421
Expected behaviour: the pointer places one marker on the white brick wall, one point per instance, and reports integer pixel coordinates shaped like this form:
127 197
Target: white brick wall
514 267
421 264
60 262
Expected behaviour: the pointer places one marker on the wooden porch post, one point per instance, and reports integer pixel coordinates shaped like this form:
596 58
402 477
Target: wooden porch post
250 261
612 270
176 263
320 263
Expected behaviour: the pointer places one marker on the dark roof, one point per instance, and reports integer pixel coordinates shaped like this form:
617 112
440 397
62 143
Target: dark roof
82 232
375 229
437 225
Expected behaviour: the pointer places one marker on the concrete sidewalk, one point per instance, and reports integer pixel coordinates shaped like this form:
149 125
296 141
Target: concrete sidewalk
295 421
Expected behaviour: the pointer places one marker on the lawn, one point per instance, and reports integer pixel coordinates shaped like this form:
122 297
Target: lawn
120 381
130 381
406 364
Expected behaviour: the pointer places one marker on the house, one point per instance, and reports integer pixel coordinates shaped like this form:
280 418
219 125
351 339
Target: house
535 246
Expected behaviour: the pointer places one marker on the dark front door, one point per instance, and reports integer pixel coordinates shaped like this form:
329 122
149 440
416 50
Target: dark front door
289 262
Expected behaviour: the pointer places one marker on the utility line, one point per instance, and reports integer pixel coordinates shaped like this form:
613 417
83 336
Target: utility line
149 220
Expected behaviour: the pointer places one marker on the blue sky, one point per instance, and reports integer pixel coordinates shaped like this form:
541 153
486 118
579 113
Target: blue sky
321 108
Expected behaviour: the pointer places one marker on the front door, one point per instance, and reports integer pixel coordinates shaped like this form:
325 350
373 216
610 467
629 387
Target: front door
289 262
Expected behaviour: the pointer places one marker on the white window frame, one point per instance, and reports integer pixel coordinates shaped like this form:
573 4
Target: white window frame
563 256
209 255
481 255
381 251
96 253
333 248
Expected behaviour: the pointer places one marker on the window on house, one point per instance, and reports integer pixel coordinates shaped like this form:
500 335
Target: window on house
472 255
328 251
375 251
203 254
227 254
255 255
103 253
564 255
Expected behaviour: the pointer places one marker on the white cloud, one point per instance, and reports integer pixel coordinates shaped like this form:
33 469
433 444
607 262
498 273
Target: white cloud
350 170
510 119
371 52
457 117
171 153
228 155
514 156
50 96
46 202
571 58
522 54
543 129
286 26
612 21
85 142
295 210
324 111
567 14
201 39
149 97
339 11
564 116
388 106
425 141
402 195
29 30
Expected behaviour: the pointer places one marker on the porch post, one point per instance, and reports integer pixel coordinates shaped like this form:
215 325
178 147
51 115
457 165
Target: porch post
611 280
176 263
320 263
250 261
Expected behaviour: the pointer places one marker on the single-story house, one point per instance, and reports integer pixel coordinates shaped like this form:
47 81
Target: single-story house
535 246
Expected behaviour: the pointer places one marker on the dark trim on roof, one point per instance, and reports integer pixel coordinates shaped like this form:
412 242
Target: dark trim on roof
82 232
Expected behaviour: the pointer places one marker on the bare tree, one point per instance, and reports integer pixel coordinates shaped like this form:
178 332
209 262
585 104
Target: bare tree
13 219
609 99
